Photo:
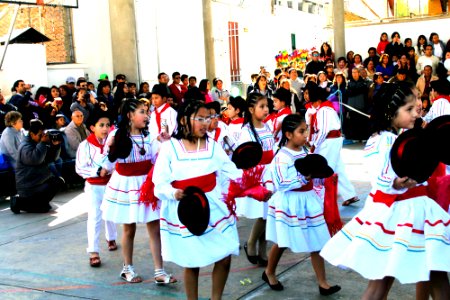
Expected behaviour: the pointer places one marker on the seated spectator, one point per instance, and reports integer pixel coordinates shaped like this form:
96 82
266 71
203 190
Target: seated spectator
192 82
372 57
423 83
382 43
324 83
84 103
385 67
395 47
329 71
177 89
220 94
36 186
438 45
12 136
427 60
370 69
23 101
60 122
76 132
144 90
341 67
400 76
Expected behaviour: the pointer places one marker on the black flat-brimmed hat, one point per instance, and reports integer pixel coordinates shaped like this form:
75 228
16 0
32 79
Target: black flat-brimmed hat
441 86
438 131
315 165
193 210
410 155
247 155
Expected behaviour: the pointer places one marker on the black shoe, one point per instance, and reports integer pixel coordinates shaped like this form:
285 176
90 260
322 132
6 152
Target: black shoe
276 287
262 262
330 291
253 259
13 205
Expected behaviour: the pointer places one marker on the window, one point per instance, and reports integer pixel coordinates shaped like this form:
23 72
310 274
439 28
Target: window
289 4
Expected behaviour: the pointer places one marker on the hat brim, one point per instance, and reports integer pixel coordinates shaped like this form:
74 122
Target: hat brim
193 210
410 158
438 131
314 165
247 155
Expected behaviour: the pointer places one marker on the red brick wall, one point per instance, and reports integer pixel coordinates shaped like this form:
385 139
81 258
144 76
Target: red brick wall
51 21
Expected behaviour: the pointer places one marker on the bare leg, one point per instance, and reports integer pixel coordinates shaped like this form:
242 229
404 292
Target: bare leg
440 289
274 257
219 277
319 268
129 231
257 230
377 289
191 283
423 290
155 243
262 244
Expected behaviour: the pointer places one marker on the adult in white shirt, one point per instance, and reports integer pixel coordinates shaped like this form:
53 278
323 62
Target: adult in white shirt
427 60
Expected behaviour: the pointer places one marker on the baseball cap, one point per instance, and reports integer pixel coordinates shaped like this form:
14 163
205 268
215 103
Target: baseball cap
70 79
103 76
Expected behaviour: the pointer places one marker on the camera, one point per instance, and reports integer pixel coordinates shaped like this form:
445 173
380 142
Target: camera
54 135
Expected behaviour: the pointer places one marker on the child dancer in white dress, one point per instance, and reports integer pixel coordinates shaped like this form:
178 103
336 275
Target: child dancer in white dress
407 239
92 164
295 219
131 149
192 159
255 130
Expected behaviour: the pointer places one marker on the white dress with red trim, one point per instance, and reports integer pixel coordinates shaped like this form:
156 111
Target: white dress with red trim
399 233
176 165
234 131
121 200
247 206
295 219
274 122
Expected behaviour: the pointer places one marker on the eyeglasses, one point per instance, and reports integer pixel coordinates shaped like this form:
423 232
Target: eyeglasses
315 54
206 120
215 116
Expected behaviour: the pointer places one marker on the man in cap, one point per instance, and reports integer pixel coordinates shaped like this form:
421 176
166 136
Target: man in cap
315 65
70 82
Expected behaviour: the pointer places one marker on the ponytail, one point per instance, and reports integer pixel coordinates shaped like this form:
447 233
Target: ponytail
252 100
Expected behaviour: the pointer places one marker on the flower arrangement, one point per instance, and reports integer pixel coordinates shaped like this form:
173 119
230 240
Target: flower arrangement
299 57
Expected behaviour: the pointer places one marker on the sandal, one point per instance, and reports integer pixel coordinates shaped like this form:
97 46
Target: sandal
168 278
94 261
129 275
112 246
350 201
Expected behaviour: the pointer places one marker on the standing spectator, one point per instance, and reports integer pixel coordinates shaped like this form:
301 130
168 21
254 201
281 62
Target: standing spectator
395 47
104 96
370 69
262 88
326 52
438 45
341 66
23 101
192 82
375 87
329 71
177 89
356 125
372 57
296 105
76 132
383 43
350 55
357 62
423 83
36 186
251 86
119 78
67 100
205 89
427 60
315 65
385 67
219 94
296 83
185 80
421 43
132 93
324 83
70 83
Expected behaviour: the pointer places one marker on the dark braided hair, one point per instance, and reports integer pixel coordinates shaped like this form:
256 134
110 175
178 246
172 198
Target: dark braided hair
386 103
252 101
188 110
122 142
290 123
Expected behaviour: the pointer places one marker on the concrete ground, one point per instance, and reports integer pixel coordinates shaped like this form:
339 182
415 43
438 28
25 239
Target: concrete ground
43 256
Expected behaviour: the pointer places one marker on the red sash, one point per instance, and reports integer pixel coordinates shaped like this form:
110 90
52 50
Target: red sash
305 188
92 139
134 169
206 182
388 199
266 158
99 180
442 97
333 134
158 115
237 121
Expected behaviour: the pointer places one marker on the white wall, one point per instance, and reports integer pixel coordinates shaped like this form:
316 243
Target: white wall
360 38
92 38
26 62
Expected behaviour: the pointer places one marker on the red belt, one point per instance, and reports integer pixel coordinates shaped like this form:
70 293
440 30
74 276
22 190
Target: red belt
307 187
134 169
333 134
388 199
266 158
99 180
206 182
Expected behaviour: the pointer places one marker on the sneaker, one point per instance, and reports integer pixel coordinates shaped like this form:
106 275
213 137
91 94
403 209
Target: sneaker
13 205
